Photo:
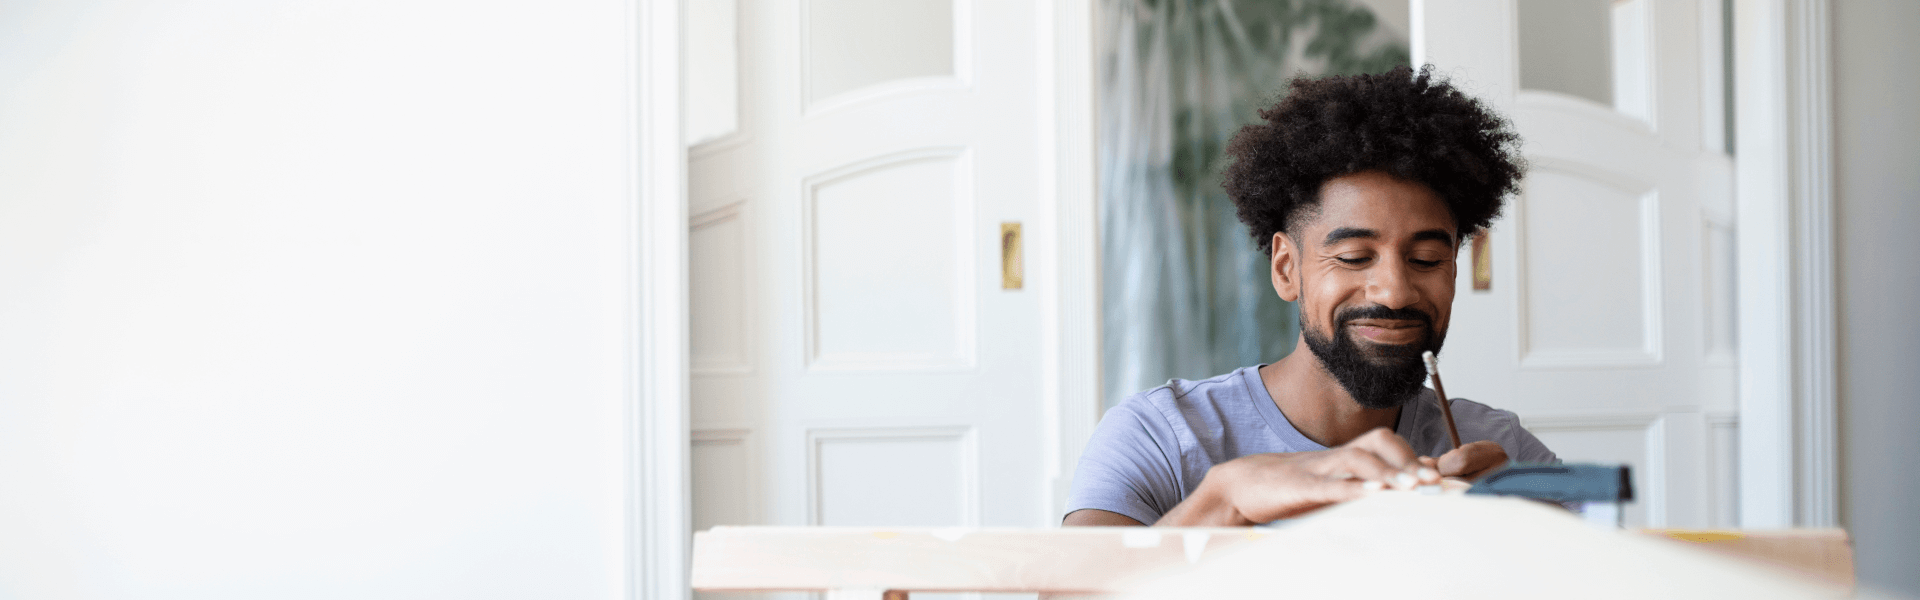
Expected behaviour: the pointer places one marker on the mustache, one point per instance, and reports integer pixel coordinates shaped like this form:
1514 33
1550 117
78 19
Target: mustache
1381 312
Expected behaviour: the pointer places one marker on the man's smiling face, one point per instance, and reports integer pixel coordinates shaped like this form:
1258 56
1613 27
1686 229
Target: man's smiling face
1372 271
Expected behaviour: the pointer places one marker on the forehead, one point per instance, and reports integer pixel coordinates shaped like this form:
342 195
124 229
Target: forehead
1393 207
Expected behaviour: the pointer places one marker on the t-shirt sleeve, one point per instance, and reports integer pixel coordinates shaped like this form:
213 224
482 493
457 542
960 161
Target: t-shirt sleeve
1129 466
1521 445
1481 422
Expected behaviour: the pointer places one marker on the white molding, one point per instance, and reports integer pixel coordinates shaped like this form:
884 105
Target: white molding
1810 115
1655 480
1721 348
965 435
1582 108
1728 419
1652 327
1591 421
714 216
1723 494
657 423
736 435
878 92
966 280
1713 73
745 436
1788 450
741 363
1652 427
1766 467
1070 306
1635 84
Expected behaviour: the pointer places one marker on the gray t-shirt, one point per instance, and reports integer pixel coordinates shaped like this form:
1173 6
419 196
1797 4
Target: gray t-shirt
1150 452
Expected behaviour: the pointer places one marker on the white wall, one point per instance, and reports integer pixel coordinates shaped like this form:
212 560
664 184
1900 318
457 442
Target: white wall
1877 135
313 299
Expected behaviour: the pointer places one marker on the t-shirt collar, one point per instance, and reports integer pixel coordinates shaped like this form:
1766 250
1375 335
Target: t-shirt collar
1289 437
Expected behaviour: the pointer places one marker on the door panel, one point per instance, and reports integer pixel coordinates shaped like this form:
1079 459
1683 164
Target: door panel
887 250
1606 325
856 360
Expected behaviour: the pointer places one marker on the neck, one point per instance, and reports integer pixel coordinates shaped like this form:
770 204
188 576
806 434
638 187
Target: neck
1315 403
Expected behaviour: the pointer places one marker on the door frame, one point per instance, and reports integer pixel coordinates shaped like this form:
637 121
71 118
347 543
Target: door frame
1788 403
1070 302
1787 400
1064 246
658 541
1789 453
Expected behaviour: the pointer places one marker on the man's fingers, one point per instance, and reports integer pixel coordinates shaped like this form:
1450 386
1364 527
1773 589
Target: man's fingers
1364 464
1476 475
1329 491
1272 486
1360 463
1389 446
1408 468
1321 493
1456 462
1472 460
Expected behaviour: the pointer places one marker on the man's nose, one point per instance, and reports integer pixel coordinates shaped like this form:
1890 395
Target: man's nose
1391 285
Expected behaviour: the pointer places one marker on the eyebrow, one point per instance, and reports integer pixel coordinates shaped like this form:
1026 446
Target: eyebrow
1438 235
1347 233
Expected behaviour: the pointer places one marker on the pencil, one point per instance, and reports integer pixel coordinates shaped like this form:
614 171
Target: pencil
1440 393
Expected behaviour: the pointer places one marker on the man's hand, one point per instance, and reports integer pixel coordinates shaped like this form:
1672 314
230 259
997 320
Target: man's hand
1472 461
1259 488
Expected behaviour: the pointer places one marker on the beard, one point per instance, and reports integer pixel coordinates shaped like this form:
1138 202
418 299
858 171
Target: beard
1377 376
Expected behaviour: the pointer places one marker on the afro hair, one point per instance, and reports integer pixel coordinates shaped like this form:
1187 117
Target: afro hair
1406 124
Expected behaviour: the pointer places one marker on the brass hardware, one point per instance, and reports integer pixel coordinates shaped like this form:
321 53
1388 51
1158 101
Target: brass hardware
1482 262
1012 273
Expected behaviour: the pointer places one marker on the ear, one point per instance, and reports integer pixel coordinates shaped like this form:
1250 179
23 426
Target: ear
1285 267
1468 238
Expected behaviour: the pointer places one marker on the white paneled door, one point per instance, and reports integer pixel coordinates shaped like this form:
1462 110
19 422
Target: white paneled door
1608 325
856 358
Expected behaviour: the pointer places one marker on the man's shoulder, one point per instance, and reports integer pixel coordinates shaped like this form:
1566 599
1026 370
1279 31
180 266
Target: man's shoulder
1231 384
1178 394
1464 408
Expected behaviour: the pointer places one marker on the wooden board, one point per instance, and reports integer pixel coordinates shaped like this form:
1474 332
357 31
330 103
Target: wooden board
1823 553
1078 559
1470 547
1389 544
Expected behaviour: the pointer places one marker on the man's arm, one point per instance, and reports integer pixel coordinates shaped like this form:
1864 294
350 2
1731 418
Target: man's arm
1094 517
1265 487
1131 466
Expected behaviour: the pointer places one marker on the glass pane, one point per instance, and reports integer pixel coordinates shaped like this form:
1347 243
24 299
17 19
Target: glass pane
1566 47
852 44
1185 293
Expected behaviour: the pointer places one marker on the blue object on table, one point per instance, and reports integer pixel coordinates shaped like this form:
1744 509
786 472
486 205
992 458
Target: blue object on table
1598 490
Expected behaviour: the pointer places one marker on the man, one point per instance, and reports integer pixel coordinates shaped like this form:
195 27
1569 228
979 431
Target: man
1360 189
